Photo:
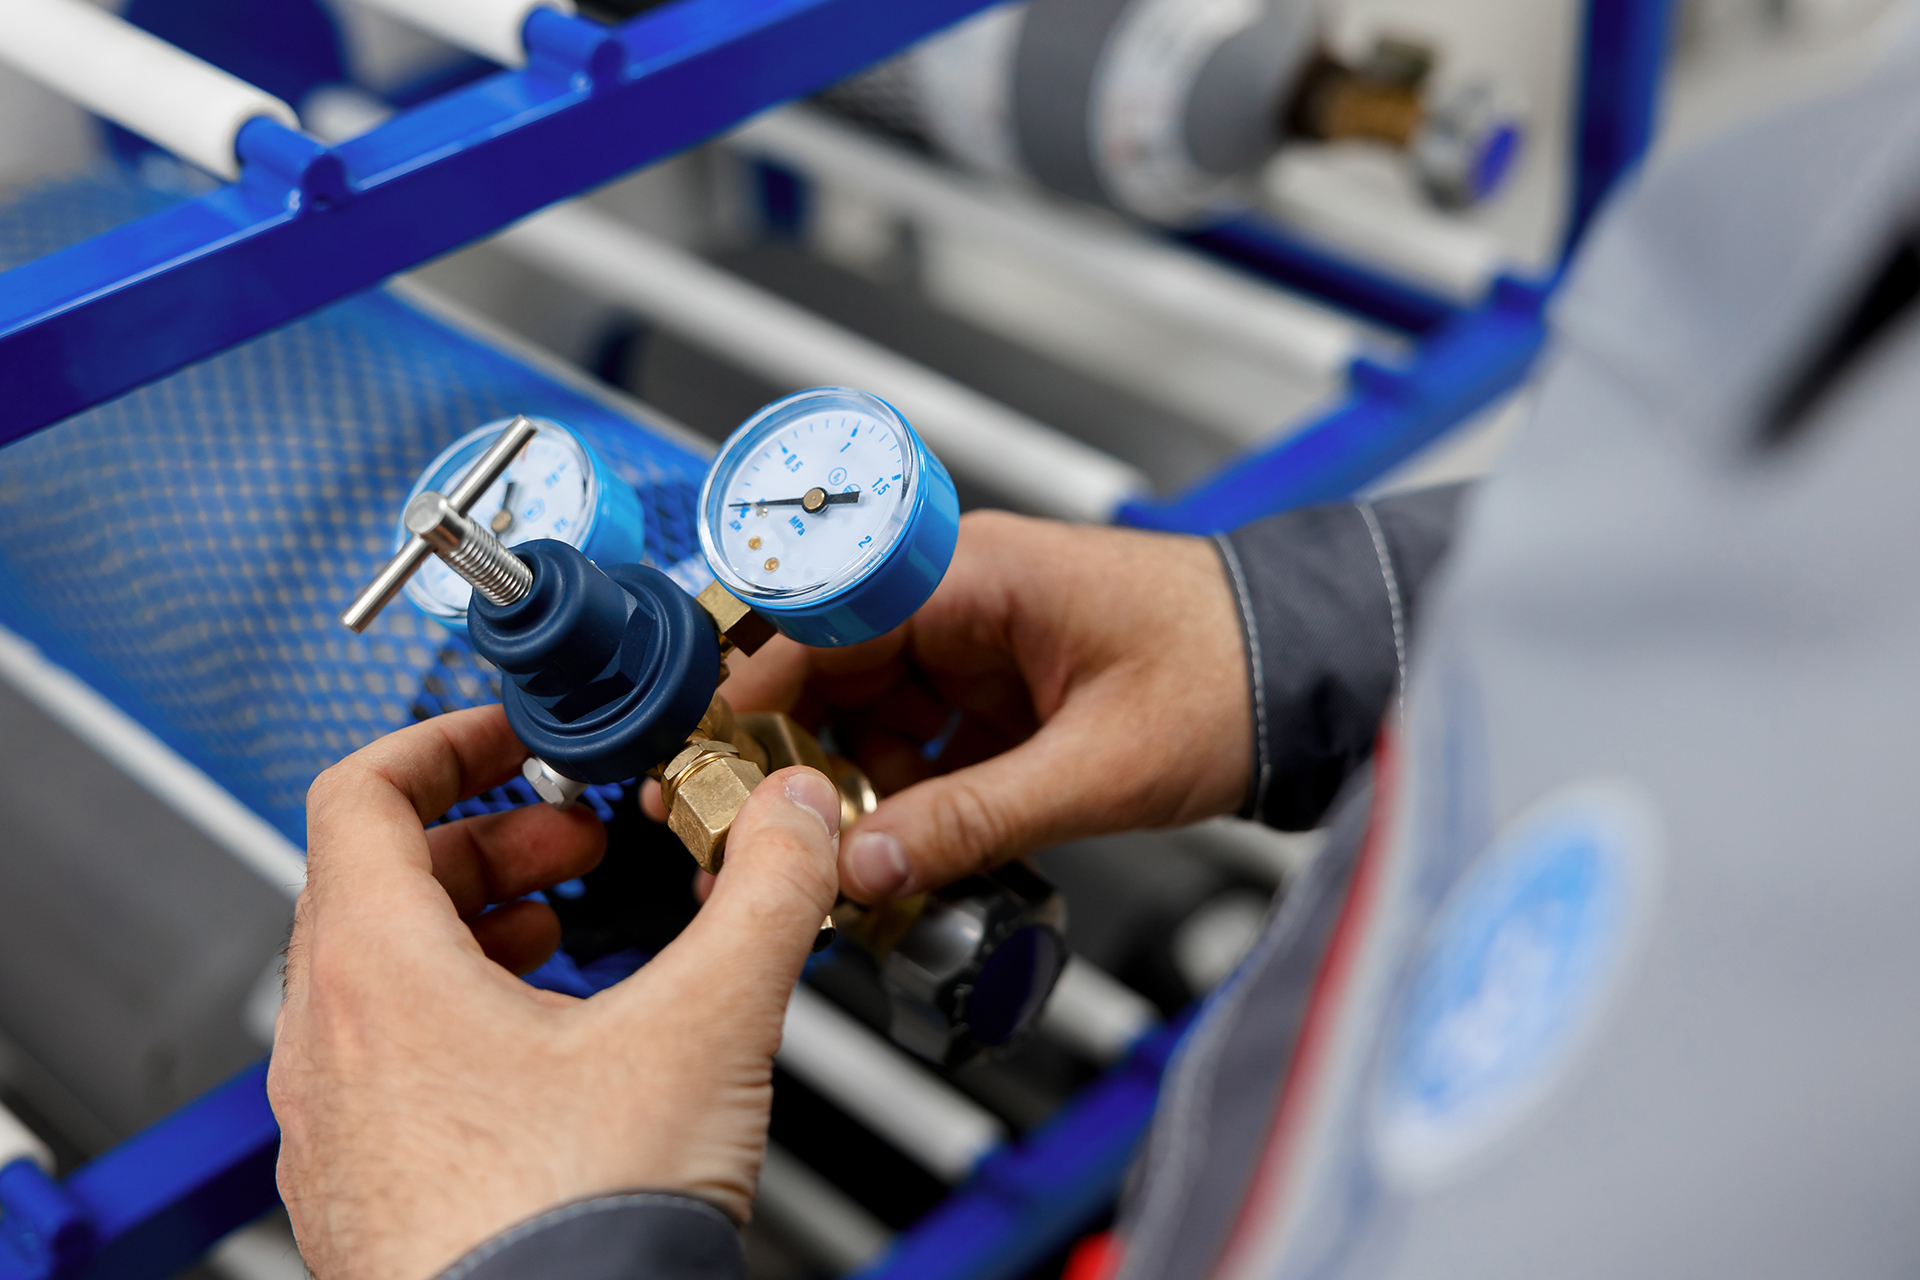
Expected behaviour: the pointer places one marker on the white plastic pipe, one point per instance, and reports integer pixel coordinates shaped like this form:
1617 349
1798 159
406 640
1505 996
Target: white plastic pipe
490 28
135 79
1095 1014
1161 279
131 747
17 1142
1025 462
1461 259
835 1054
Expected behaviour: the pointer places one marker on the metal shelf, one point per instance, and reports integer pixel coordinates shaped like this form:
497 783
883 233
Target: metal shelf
308 224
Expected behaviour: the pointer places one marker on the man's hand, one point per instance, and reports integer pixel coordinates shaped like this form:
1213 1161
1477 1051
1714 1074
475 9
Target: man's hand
1082 681
428 1098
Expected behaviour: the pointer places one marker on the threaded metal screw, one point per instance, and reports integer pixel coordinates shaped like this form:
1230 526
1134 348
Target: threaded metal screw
496 573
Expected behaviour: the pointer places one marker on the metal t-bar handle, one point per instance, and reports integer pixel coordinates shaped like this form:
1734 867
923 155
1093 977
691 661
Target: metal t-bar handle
387 583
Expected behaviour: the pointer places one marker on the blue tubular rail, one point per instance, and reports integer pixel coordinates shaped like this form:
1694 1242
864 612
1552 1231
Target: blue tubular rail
1266 248
1030 1199
1391 414
1467 359
308 224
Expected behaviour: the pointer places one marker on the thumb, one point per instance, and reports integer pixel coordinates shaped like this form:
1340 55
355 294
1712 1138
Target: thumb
777 884
1067 780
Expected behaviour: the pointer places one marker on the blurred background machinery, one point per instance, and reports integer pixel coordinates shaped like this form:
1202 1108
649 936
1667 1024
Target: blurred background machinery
1177 263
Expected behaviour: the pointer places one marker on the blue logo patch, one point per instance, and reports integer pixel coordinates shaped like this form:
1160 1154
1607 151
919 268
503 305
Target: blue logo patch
1512 979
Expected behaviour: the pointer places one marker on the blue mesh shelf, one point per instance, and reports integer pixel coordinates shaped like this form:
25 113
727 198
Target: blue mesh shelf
187 548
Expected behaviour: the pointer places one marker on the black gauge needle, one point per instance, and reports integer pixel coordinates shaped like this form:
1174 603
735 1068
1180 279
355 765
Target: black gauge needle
503 518
811 501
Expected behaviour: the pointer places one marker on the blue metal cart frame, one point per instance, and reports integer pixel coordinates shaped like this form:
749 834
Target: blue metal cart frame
308 224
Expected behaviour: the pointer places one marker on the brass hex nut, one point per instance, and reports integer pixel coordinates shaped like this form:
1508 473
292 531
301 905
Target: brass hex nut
719 725
707 795
739 625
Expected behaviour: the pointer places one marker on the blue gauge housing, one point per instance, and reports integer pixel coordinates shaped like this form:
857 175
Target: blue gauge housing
878 592
613 532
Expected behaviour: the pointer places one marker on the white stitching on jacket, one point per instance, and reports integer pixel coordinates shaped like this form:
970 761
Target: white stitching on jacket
1392 580
1262 767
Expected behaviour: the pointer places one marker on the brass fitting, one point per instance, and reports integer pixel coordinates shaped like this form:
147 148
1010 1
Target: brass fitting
786 743
728 756
703 788
878 929
720 725
739 626
1379 100
857 796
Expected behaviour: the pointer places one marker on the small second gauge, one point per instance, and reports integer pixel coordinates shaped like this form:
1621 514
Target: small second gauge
557 488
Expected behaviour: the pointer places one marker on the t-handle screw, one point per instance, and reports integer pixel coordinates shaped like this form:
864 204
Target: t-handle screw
406 562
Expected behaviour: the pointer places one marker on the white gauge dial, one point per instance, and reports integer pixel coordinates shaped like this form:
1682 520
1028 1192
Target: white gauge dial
804 507
547 492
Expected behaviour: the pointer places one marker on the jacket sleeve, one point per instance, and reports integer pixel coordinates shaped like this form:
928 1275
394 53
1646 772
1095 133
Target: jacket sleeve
1328 597
631 1236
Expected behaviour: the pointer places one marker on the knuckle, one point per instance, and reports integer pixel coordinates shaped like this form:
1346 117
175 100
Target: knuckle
969 826
334 976
282 1089
328 783
991 525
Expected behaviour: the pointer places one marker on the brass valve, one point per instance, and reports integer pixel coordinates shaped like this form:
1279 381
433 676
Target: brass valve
965 967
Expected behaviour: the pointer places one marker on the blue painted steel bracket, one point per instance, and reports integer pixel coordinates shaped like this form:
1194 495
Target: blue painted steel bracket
1266 248
153 1204
308 224
1624 51
1390 415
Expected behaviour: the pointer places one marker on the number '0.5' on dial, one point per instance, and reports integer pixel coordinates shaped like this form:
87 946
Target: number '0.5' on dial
826 513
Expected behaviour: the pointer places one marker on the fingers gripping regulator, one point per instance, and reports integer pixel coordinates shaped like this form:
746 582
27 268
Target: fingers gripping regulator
824 517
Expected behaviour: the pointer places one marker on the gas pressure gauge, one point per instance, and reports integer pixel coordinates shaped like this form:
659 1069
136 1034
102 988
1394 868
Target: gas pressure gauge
556 487
826 514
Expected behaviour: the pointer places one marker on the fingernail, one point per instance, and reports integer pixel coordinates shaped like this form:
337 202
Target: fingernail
814 793
876 864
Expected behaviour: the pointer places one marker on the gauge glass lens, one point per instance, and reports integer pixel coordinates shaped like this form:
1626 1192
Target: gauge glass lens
549 491
804 503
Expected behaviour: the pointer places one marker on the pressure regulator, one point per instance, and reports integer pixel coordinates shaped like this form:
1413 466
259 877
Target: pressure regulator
824 517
